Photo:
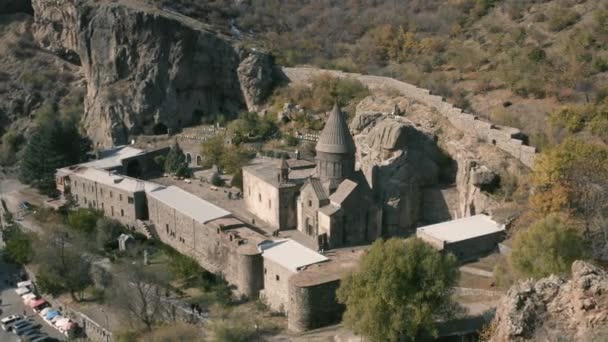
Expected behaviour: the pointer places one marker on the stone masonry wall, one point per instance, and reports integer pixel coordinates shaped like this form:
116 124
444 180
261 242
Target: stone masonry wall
276 286
214 249
507 139
312 307
112 201
261 198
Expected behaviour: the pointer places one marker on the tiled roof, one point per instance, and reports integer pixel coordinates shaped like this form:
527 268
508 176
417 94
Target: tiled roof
329 209
335 137
342 192
317 187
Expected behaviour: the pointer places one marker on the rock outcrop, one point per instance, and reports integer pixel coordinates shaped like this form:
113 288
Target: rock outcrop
149 70
424 169
554 308
398 161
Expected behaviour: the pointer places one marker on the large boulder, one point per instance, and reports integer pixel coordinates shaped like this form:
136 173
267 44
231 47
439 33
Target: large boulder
554 308
148 70
257 75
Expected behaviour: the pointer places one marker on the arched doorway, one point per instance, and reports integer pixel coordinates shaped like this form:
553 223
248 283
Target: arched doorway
134 169
188 158
199 161
159 129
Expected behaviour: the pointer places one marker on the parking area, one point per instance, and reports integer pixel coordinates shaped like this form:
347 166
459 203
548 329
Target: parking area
12 304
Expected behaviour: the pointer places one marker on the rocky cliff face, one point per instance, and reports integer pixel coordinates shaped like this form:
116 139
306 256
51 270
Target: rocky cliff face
422 168
556 309
149 70
398 161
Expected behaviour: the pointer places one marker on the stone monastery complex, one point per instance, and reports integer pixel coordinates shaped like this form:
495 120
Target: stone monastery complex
317 217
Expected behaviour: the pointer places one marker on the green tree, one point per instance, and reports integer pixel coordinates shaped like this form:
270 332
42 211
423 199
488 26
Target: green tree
212 150
175 162
52 145
83 220
549 246
64 267
18 248
107 233
399 292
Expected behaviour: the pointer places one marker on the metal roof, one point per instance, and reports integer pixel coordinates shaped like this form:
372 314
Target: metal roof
116 181
112 158
335 137
290 254
188 204
463 228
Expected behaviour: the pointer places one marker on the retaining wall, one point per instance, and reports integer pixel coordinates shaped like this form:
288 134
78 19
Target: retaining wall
508 139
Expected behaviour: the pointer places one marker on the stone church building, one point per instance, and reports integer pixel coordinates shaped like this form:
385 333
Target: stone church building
329 200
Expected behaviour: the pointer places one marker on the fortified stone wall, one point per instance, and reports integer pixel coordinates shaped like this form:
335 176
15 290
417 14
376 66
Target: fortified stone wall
312 307
507 139
276 286
214 248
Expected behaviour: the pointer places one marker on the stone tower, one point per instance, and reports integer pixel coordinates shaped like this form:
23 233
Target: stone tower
335 149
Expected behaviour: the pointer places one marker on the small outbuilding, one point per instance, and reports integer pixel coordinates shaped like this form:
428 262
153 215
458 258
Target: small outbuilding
467 238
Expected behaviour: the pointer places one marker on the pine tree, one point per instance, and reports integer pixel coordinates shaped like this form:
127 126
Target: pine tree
52 146
175 162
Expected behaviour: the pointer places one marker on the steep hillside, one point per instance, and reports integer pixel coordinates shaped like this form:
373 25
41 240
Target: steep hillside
33 83
149 70
510 61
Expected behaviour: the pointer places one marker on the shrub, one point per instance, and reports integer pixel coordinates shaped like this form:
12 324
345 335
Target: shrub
537 55
548 247
561 17
569 117
217 180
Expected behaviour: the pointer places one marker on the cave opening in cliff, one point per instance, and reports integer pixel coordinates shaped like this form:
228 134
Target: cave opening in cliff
159 129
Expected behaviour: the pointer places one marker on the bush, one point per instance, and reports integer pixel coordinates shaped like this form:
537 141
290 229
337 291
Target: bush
537 55
290 140
561 17
84 220
548 247
18 245
217 180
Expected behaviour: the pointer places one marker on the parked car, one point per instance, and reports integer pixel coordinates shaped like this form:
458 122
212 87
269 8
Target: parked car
17 324
42 338
9 320
26 329
30 335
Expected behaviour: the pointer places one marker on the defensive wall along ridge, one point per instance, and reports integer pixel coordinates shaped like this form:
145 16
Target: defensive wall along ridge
508 139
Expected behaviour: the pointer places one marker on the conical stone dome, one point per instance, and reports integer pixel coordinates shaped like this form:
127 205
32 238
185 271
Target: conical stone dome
335 137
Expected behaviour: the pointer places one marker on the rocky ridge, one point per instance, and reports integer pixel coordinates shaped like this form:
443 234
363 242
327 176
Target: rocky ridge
149 70
417 159
555 308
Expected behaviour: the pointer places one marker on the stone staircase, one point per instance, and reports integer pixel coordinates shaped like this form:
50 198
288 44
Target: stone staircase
146 228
